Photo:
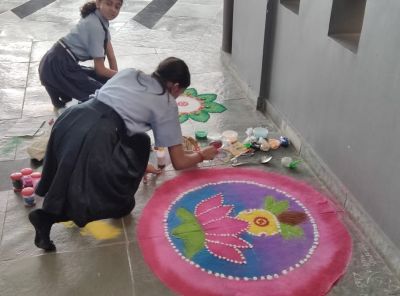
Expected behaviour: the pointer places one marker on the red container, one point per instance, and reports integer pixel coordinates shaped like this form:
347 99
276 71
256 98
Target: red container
16 181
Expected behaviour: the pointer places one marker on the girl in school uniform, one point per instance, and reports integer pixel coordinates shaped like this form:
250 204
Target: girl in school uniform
98 150
59 69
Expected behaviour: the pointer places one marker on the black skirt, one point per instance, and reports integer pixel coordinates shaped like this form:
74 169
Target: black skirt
63 77
92 169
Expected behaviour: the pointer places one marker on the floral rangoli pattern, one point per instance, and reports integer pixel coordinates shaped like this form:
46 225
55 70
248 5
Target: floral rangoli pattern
197 107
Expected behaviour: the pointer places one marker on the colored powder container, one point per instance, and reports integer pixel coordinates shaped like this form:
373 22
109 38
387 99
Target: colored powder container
200 135
26 177
16 181
28 194
284 141
216 144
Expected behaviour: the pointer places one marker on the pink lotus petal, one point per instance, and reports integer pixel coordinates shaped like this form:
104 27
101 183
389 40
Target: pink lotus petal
207 204
226 225
232 241
214 214
226 252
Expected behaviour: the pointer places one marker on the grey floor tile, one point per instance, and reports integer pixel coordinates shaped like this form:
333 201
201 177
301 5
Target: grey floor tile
208 11
146 284
18 233
13 75
14 50
100 271
11 101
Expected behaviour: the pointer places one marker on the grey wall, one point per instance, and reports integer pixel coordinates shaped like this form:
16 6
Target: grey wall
346 105
248 40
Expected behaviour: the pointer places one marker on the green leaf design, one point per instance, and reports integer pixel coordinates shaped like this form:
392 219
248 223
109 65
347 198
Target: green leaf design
201 116
207 98
214 107
183 117
190 232
275 207
191 92
289 231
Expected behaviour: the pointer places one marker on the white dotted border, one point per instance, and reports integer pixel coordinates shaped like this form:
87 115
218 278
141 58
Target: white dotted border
230 277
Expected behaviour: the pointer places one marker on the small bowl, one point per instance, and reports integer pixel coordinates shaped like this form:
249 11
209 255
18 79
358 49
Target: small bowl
230 135
200 135
260 132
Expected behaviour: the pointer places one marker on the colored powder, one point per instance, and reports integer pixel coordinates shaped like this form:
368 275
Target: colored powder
100 230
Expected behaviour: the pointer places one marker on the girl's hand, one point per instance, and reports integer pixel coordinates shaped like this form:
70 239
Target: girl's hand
151 169
208 152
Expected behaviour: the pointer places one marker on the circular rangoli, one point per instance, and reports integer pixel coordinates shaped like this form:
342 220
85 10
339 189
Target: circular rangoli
243 232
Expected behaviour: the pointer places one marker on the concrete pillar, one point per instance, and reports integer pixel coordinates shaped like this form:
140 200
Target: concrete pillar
268 51
227 26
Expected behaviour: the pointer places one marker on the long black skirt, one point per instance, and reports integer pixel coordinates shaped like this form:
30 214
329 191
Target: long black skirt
65 79
92 169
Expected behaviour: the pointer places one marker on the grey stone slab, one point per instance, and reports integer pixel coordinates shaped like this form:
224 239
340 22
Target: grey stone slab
198 10
15 51
145 62
220 83
36 30
99 271
55 13
7 5
158 39
30 7
11 102
134 6
367 273
146 283
211 41
153 12
3 207
13 75
198 62
18 233
37 103
183 25
39 48
8 146
33 79
127 49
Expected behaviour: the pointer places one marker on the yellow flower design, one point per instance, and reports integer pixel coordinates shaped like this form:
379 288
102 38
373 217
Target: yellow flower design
261 222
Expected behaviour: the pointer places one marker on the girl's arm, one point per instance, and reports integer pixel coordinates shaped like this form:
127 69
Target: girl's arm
183 160
99 63
101 69
112 61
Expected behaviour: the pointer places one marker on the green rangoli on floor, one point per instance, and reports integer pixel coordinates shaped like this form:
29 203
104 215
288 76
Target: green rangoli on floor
197 106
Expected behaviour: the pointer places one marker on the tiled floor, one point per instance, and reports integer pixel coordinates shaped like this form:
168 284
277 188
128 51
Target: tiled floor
84 265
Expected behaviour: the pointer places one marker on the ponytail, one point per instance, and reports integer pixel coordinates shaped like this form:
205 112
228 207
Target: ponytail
172 70
88 8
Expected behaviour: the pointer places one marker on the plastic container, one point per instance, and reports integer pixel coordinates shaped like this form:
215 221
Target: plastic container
16 179
216 144
230 136
200 135
260 132
26 177
214 136
28 194
161 157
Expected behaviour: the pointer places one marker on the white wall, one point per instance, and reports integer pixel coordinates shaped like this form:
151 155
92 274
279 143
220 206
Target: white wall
248 40
345 105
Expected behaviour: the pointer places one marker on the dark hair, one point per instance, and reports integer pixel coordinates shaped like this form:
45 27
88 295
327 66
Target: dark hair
90 7
172 70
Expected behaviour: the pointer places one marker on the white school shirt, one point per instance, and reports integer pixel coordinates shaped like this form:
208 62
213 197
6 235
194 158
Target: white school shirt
135 96
86 39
